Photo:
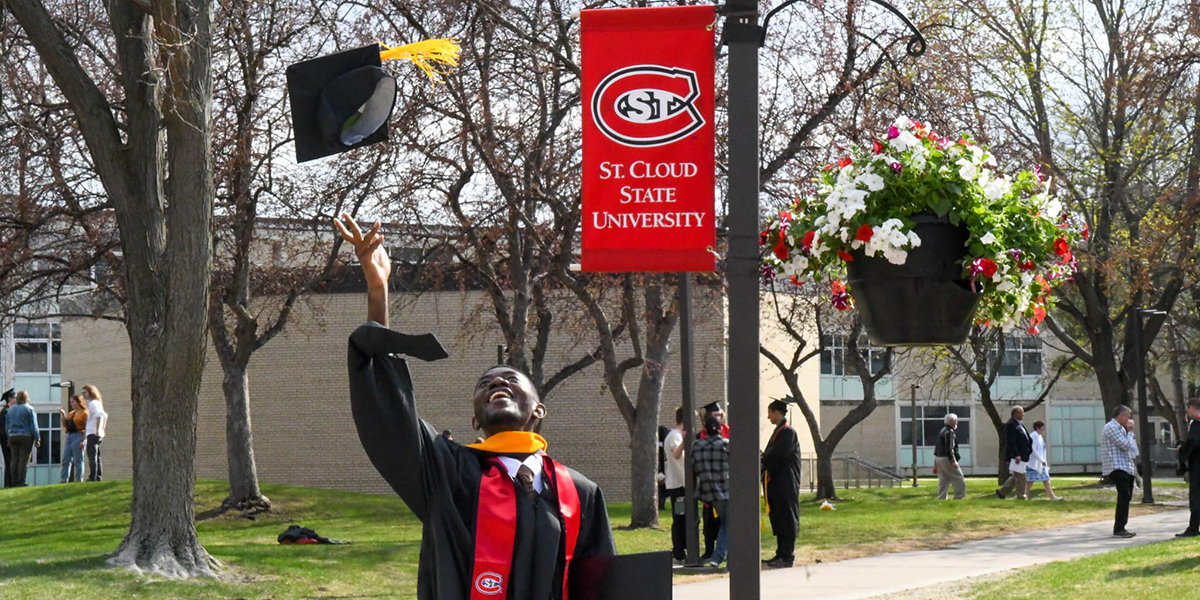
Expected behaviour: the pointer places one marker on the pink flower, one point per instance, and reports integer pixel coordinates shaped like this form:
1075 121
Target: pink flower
893 132
1037 170
897 168
768 274
841 298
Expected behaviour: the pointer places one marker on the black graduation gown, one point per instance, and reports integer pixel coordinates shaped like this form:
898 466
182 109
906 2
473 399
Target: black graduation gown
439 480
781 466
1190 458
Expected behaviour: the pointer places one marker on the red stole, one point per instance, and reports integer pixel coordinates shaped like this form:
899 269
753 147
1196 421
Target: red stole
496 526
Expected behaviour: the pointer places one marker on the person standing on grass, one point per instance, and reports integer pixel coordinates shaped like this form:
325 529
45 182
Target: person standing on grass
6 400
23 437
1118 452
712 523
781 483
946 459
97 421
711 464
673 480
1189 463
500 519
1038 468
1017 448
74 423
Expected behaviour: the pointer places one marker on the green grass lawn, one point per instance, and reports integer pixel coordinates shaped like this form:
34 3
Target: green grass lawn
1166 571
54 539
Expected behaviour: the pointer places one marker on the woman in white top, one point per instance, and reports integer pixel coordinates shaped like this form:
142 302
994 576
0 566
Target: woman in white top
1038 467
94 435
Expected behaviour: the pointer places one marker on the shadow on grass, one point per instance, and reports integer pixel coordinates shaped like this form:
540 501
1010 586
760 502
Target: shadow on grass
1176 566
57 569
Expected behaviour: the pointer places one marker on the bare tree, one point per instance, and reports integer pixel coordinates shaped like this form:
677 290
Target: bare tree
151 151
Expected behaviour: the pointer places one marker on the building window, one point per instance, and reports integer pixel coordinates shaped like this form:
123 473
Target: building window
1022 356
38 348
50 430
833 355
930 420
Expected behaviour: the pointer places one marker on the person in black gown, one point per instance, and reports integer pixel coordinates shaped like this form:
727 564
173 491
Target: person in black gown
781 478
536 516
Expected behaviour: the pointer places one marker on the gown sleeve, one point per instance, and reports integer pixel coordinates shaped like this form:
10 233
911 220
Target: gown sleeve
401 446
597 540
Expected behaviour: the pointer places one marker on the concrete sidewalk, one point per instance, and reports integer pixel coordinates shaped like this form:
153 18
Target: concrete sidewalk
892 573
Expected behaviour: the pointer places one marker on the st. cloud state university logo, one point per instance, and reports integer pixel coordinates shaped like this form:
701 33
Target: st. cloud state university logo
489 584
647 105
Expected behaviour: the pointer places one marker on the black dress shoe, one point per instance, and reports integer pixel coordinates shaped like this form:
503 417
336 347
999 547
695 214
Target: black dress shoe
999 495
781 563
1188 533
770 560
1124 534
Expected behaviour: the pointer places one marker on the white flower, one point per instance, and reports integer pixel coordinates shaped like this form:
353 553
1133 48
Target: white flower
913 239
988 239
996 188
903 122
967 169
873 182
1006 286
904 141
896 257
976 155
1053 208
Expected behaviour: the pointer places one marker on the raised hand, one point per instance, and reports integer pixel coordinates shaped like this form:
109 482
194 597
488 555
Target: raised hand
370 251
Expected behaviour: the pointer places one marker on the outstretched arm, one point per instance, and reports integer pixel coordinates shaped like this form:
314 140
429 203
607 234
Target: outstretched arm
375 264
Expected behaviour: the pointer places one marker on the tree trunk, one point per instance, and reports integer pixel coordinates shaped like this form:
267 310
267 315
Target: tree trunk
1001 461
826 490
244 494
644 435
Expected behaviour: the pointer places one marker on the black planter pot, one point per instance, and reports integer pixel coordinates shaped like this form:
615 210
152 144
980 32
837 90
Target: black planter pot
925 301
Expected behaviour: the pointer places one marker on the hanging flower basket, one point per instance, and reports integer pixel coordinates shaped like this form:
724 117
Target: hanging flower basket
926 238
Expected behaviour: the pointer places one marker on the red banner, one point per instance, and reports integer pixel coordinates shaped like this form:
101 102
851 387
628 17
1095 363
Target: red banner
648 142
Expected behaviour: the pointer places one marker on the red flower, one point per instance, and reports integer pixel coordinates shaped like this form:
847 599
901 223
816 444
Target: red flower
918 125
808 240
829 167
864 233
785 216
763 237
982 266
781 251
845 162
841 298
842 254
1061 248
839 287
796 282
877 146
1027 265
1039 315
1085 232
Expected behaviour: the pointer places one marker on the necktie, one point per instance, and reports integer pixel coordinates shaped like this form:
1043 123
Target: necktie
525 477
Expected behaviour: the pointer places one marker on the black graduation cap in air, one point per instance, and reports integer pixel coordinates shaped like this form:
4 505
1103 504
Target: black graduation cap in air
712 407
340 102
9 394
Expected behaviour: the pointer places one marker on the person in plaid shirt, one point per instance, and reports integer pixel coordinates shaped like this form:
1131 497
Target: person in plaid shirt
710 456
1119 453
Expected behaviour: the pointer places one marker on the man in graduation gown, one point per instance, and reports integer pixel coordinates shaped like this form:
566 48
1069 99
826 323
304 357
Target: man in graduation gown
1189 462
500 518
781 478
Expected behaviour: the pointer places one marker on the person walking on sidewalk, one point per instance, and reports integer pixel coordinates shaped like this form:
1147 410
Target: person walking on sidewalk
945 460
1118 451
1017 448
1189 463
711 523
23 437
781 480
1038 468
711 463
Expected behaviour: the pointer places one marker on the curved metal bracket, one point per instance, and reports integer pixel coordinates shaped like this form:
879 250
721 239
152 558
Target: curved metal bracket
916 43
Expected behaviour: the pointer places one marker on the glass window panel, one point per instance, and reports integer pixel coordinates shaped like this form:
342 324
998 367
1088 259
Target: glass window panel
905 412
31 330
1031 343
1032 363
1011 366
827 362
839 363
1086 454
56 420
906 433
935 412
932 429
43 420
31 357
963 434
1083 434
56 357
963 412
56 331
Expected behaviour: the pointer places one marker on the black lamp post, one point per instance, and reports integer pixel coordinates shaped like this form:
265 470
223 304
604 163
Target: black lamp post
743 35
1145 431
70 385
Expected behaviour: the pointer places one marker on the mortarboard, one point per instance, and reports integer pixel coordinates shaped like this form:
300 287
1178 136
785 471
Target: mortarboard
343 101
9 394
712 407
779 406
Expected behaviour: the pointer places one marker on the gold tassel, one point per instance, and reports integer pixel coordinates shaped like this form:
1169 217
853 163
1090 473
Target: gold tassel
424 54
